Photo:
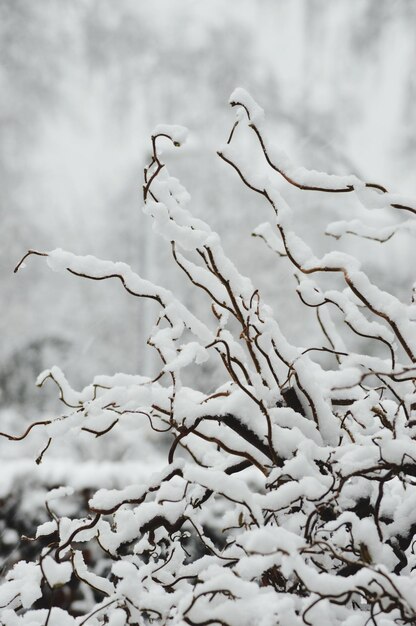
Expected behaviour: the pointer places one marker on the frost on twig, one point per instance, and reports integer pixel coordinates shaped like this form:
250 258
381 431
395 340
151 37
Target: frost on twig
288 492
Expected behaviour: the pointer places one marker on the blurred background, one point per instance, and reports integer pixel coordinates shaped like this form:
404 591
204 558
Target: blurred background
82 85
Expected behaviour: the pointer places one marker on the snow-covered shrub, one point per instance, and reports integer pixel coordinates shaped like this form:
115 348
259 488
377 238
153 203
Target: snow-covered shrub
287 496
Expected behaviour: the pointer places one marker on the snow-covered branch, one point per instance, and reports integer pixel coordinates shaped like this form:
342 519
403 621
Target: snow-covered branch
288 491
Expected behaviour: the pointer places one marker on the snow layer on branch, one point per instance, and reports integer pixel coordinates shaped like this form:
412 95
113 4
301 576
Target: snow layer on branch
301 175
177 133
56 617
56 574
376 199
232 488
59 260
105 499
59 492
241 96
91 267
378 232
313 178
25 579
189 353
268 233
184 235
97 582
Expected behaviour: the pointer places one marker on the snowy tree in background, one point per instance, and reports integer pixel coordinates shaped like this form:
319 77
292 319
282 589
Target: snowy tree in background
286 496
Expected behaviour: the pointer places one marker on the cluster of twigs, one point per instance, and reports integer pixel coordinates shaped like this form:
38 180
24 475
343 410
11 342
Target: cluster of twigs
288 491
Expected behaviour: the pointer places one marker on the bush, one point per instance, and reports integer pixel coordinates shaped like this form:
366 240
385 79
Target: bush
288 493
